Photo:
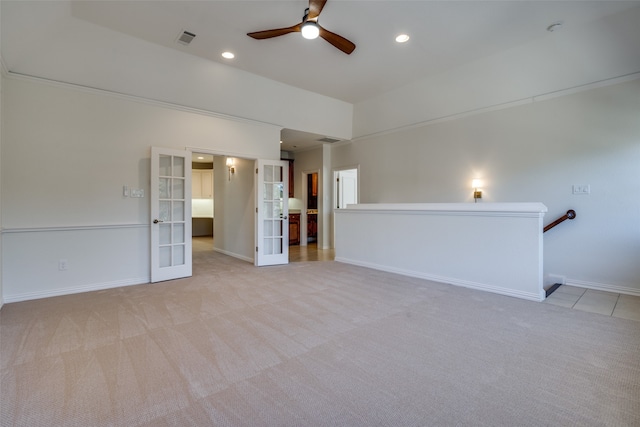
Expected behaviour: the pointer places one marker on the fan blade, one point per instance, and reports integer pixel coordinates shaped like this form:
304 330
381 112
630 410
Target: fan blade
315 7
267 34
338 41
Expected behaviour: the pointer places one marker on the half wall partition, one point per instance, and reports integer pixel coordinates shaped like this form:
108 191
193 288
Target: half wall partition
496 247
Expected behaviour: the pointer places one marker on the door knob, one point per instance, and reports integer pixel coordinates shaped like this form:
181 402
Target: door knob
155 221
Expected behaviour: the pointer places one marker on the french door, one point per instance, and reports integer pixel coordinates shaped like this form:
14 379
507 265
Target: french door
272 212
170 214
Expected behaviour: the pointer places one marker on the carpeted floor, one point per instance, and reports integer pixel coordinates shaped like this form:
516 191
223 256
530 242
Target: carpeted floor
312 344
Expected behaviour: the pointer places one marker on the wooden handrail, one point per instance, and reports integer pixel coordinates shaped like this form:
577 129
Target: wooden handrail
569 215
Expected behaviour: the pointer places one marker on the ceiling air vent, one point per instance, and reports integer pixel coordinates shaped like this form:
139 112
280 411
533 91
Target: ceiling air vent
327 139
185 38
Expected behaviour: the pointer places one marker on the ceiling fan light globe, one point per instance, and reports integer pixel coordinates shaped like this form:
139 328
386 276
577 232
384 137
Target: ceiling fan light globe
310 30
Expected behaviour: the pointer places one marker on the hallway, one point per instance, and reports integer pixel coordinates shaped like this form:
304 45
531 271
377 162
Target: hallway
297 253
310 252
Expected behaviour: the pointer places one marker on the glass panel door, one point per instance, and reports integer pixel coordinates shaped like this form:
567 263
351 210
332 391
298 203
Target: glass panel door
272 212
170 214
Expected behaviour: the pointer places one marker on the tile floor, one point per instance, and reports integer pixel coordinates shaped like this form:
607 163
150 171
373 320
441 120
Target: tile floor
607 303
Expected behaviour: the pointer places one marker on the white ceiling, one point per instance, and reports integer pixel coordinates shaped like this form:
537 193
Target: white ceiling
444 34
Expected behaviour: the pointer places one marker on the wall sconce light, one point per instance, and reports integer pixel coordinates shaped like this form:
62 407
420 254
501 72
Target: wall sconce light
231 166
477 193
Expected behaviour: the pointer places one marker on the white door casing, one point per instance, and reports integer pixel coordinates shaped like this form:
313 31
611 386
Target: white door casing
170 214
272 212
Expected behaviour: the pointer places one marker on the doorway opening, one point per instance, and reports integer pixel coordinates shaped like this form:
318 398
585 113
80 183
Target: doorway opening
202 202
311 196
312 208
345 188
240 209
345 191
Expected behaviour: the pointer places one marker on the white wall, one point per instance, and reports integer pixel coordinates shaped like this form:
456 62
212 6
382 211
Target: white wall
1 119
125 64
324 199
505 78
530 153
66 154
234 204
305 161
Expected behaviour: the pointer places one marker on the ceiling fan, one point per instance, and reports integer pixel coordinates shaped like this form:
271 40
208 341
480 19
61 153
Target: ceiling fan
310 29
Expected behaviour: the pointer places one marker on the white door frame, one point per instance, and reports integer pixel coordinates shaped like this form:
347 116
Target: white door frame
217 153
219 202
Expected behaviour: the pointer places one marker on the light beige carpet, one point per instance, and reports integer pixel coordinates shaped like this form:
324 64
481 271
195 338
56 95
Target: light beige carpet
312 344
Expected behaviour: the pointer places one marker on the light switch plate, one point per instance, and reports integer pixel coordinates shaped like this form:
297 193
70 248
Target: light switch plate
582 189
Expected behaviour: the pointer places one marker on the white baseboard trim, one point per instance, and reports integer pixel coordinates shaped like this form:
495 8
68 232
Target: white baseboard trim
603 287
235 255
449 280
75 290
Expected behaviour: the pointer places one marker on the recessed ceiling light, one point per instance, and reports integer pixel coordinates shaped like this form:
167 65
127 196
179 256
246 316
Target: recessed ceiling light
200 158
228 55
402 38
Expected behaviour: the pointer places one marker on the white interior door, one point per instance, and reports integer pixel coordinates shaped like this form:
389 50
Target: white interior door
347 188
170 214
272 212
